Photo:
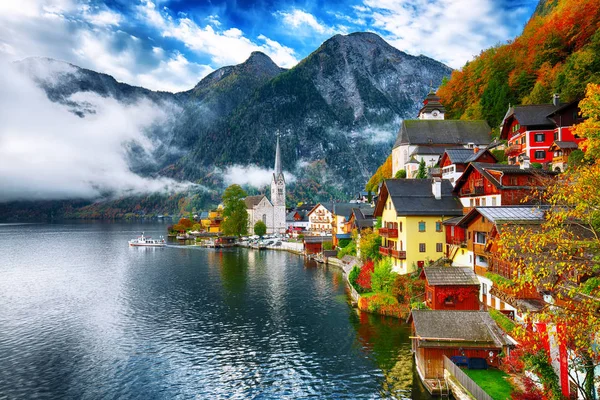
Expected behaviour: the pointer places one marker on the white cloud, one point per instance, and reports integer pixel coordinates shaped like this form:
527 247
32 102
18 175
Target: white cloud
101 17
452 31
252 175
173 74
225 47
49 153
301 19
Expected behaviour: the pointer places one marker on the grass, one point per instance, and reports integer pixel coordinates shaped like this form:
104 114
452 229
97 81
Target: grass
503 321
493 381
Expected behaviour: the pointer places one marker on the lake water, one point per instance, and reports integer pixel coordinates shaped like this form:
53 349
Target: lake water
84 316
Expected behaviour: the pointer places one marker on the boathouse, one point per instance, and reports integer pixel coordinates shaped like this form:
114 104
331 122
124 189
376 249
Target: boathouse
470 336
451 288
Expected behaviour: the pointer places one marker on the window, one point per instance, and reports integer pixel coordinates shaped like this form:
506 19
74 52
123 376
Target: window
480 237
472 202
483 202
452 230
422 247
494 201
439 247
539 137
400 227
555 135
482 261
540 154
438 226
483 289
264 218
449 300
523 140
422 226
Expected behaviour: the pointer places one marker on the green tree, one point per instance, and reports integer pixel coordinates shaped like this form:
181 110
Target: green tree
234 211
197 227
260 228
369 245
383 277
401 174
422 172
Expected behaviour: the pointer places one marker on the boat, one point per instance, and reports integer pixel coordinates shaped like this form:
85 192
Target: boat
148 241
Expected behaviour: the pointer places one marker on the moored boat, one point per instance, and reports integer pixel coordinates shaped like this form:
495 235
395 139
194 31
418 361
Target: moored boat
147 241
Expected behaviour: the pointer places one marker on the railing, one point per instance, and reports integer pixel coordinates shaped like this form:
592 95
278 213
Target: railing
478 190
514 149
465 381
400 255
385 251
388 232
457 242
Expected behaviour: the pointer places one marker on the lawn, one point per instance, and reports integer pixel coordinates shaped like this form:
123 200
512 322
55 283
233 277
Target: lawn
493 381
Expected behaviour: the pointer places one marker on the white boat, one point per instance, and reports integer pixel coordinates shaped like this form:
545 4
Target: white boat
148 241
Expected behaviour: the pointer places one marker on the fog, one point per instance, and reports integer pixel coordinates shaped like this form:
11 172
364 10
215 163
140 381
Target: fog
252 175
47 152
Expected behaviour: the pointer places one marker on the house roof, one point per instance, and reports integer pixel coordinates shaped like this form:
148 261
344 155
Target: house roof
464 156
252 201
446 132
532 114
445 276
363 218
453 221
501 215
415 197
432 102
429 150
436 328
565 145
328 207
204 215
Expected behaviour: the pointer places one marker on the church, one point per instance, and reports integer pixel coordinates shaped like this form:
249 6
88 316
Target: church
271 212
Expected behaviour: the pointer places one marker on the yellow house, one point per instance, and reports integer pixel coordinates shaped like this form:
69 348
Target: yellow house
412 213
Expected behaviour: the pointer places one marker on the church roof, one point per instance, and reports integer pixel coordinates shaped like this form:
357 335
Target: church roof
252 201
443 132
278 171
432 102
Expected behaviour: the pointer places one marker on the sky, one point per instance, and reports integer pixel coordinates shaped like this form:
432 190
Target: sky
171 44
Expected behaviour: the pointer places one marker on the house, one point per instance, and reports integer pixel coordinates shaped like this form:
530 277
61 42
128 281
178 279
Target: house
297 220
456 243
483 184
531 129
451 288
363 197
428 136
361 219
560 154
412 212
341 216
483 226
454 161
321 219
314 244
471 335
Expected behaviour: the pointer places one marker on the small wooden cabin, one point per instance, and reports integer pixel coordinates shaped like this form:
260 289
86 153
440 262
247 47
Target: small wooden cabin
439 333
451 288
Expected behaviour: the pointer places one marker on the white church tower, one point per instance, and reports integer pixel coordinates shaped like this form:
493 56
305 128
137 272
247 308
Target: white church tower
278 193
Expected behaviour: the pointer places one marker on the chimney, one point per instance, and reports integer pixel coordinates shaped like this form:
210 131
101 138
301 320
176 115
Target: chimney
556 99
475 149
525 164
436 188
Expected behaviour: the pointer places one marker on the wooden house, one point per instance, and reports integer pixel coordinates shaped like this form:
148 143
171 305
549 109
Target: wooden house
497 184
454 161
450 333
451 288
560 154
314 244
483 226
531 129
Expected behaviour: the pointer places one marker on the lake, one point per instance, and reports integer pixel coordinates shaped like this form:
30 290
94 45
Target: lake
84 316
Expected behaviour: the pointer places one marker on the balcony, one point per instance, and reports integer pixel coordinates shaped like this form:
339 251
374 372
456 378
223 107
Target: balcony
389 233
385 251
475 190
457 241
514 149
400 255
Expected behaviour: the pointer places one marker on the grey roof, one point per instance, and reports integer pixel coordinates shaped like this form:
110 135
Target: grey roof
439 150
432 102
463 155
483 169
453 221
445 132
566 145
528 214
442 276
204 215
278 170
532 114
363 217
344 209
252 201
415 197
464 327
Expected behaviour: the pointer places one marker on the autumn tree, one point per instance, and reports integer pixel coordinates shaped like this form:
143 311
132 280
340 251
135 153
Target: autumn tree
561 258
368 245
234 211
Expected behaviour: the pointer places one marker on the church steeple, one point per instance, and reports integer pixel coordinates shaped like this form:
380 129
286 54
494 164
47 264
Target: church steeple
278 170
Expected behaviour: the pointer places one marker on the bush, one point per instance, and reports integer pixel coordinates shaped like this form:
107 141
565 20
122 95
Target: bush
343 243
401 174
408 289
364 277
536 165
383 304
353 277
382 277
349 250
260 228
327 246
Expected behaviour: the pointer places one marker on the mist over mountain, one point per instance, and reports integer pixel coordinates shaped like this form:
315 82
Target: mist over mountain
338 112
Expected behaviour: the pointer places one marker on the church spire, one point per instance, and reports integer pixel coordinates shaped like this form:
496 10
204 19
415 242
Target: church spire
278 170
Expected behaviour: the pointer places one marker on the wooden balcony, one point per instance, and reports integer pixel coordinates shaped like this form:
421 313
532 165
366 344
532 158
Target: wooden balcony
457 241
389 233
514 149
385 251
475 190
400 255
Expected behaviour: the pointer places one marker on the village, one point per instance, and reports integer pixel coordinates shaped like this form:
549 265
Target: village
426 246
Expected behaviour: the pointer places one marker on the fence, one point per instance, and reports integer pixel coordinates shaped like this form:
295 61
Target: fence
465 381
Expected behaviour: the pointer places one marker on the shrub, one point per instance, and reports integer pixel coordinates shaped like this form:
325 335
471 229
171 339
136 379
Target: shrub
401 174
536 165
364 277
384 304
327 246
349 250
353 277
260 228
343 243
382 277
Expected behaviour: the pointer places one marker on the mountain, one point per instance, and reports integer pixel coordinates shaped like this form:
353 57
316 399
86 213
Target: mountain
557 52
338 111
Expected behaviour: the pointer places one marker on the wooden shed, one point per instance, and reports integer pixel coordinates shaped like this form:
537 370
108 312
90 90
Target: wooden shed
439 333
451 288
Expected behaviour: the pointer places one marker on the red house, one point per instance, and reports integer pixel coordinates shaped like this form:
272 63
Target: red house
451 288
531 129
455 161
498 184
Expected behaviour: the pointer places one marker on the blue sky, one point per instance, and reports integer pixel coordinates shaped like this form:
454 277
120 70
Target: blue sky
171 45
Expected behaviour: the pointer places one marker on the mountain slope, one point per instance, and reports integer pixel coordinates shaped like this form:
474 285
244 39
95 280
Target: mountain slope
558 52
